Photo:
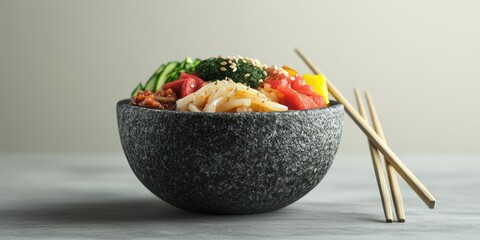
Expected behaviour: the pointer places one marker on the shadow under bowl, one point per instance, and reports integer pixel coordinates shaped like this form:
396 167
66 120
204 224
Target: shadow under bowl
230 163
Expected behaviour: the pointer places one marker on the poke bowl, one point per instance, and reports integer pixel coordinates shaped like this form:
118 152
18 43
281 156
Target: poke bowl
241 162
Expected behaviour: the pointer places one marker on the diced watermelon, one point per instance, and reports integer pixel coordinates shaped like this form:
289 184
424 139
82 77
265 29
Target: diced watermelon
295 100
303 88
274 83
307 91
299 83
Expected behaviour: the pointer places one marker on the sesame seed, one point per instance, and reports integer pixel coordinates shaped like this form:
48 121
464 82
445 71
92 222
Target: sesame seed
247 75
223 69
264 73
234 69
223 63
231 66
235 59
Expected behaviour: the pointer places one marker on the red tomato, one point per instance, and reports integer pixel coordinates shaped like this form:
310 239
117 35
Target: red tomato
197 79
189 86
185 85
175 86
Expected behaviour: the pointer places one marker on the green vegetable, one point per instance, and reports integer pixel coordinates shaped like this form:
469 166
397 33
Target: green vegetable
162 78
137 88
187 66
166 73
150 85
183 67
218 69
197 61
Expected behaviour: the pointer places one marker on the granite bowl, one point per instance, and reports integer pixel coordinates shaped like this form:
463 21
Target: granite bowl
230 163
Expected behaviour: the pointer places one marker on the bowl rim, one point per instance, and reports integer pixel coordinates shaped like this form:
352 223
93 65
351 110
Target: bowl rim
333 105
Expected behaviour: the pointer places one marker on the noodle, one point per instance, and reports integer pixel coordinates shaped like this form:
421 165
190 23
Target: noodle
229 96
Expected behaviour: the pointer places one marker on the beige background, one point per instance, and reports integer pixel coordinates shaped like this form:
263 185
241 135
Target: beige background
64 64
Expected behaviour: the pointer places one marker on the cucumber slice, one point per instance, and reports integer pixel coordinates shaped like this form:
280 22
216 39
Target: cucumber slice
169 67
183 64
172 77
150 85
137 88
167 73
152 81
159 69
175 75
178 70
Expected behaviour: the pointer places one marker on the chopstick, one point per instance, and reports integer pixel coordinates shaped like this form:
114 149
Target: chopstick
377 167
392 178
420 189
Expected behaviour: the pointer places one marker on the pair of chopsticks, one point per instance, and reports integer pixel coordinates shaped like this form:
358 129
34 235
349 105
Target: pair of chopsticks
375 139
377 165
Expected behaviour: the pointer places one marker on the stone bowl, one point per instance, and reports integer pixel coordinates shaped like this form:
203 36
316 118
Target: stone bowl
230 163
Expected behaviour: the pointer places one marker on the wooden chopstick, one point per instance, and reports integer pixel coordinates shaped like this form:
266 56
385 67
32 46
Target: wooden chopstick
392 177
392 158
377 167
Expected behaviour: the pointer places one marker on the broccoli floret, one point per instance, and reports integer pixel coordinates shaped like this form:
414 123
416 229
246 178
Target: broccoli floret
246 72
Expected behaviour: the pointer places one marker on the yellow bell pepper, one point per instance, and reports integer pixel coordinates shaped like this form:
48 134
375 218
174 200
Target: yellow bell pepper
291 72
319 85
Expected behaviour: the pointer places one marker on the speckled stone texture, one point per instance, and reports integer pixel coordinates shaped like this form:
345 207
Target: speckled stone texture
230 163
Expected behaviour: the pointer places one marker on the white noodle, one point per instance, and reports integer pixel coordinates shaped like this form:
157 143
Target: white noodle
226 95
233 104
193 108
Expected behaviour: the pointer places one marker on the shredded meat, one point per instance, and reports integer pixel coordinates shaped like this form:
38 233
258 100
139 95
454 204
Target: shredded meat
159 100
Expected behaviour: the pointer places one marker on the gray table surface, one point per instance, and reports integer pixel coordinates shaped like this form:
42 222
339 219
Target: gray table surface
96 196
